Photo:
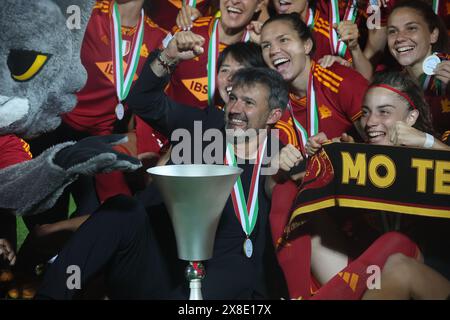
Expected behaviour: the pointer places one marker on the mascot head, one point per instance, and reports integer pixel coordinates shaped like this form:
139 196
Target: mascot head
40 67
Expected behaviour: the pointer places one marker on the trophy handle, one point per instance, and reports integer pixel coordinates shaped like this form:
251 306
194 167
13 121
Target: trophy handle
195 272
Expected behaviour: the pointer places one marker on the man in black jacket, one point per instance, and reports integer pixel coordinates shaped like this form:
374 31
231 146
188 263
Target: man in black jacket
119 238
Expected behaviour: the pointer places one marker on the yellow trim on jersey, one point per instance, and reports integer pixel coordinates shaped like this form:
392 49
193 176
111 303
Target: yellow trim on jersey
203 19
288 130
285 128
356 116
328 78
329 72
26 148
201 24
103 6
322 26
301 102
325 83
316 16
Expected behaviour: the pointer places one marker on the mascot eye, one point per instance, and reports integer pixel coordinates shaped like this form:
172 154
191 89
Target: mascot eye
25 64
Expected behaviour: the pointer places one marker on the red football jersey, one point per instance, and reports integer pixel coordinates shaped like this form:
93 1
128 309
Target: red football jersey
439 104
444 13
189 82
95 111
164 13
339 92
13 150
440 112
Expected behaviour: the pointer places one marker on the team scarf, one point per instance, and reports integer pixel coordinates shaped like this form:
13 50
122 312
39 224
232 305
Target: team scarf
213 55
311 114
123 80
338 47
246 211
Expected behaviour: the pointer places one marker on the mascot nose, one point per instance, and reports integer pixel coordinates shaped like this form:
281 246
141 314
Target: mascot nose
12 109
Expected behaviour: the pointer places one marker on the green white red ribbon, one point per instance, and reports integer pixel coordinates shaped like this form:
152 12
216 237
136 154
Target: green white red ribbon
436 6
310 18
213 55
190 3
338 47
123 80
246 211
312 116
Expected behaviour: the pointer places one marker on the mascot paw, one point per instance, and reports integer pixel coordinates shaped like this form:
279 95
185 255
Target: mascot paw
96 155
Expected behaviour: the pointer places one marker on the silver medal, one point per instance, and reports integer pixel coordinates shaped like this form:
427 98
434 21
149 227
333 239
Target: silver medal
248 248
430 63
120 111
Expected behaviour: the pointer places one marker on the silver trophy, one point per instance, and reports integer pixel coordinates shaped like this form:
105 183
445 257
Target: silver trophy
195 196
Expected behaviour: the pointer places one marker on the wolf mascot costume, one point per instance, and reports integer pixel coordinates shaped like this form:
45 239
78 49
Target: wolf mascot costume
40 70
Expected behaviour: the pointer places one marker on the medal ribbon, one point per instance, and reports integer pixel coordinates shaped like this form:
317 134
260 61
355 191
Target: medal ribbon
310 18
436 6
190 3
246 37
443 56
213 55
338 47
440 89
123 82
302 135
425 81
246 211
312 117
311 104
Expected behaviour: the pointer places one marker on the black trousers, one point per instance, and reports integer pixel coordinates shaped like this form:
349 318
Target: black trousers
117 240
137 255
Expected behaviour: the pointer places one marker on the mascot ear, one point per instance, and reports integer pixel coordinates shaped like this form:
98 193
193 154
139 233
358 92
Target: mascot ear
77 13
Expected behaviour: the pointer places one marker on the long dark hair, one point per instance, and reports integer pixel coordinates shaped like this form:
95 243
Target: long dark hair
403 82
432 19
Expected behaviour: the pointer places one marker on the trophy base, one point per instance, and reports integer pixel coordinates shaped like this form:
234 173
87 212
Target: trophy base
196 289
